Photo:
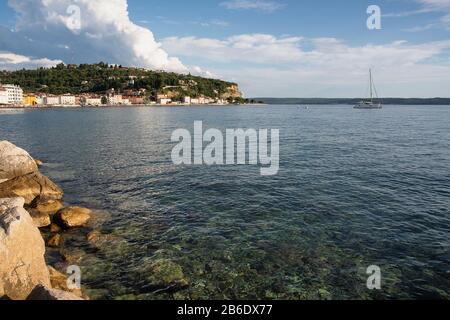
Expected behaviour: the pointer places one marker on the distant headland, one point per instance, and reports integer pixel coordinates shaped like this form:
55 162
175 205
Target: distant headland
353 101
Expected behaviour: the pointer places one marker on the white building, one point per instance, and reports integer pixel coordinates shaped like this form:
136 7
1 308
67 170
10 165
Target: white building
115 99
67 100
3 96
14 94
40 100
93 102
187 100
52 101
204 100
164 101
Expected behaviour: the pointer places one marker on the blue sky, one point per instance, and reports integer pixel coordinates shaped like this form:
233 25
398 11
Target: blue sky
312 18
282 48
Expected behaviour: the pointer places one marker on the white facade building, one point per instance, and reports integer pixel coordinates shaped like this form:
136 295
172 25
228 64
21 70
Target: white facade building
3 96
164 101
40 100
67 100
14 94
52 101
115 99
204 100
93 102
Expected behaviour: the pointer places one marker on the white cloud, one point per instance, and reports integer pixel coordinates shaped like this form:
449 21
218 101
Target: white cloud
212 22
12 61
48 28
427 6
436 3
261 5
329 52
268 65
199 71
254 48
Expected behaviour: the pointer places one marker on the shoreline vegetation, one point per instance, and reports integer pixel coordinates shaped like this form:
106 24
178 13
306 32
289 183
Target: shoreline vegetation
33 219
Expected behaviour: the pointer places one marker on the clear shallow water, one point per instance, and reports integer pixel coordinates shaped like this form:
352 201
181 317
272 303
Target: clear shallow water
355 188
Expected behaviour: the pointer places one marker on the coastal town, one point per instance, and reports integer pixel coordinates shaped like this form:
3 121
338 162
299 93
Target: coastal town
105 85
13 96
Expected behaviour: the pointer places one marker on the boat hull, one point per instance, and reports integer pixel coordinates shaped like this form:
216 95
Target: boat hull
368 106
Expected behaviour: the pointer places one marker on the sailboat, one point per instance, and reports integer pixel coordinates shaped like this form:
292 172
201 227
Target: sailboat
370 103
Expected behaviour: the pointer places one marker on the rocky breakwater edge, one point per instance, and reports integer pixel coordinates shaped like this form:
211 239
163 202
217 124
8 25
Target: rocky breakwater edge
43 241
29 203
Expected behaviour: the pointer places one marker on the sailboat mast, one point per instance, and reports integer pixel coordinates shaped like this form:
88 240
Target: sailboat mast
371 86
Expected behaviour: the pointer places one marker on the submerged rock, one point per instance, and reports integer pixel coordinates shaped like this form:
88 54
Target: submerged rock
55 241
100 240
73 256
164 273
98 294
72 217
44 293
14 162
54 228
33 187
22 249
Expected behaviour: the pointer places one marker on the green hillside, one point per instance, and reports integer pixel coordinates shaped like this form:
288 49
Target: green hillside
98 78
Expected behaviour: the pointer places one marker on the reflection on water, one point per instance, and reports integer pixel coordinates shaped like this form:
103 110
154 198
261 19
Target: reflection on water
10 111
355 189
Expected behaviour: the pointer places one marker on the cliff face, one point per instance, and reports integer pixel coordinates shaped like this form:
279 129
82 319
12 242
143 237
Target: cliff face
232 92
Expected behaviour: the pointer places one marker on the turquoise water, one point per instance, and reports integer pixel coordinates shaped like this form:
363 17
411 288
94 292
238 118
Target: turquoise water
355 188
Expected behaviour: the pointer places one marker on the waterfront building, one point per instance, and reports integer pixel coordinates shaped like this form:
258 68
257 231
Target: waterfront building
14 94
115 99
134 100
52 100
164 101
30 100
40 100
67 100
3 96
92 101
187 100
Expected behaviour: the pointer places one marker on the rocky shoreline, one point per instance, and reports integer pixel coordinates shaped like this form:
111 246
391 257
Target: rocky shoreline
30 202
